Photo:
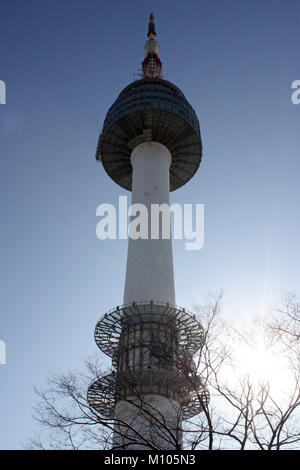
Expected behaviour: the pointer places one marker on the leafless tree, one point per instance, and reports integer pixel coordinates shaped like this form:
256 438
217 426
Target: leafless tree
251 371
286 320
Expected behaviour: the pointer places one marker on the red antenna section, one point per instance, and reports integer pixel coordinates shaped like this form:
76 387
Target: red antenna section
151 65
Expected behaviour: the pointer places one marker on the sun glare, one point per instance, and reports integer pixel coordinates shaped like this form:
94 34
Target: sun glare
263 365
258 363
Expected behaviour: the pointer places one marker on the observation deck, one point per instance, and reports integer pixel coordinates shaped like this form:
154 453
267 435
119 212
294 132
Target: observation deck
150 110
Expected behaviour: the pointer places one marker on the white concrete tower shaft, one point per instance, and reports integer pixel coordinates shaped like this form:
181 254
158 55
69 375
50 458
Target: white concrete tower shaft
149 277
149 273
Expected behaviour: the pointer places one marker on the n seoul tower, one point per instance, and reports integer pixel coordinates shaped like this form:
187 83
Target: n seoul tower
150 144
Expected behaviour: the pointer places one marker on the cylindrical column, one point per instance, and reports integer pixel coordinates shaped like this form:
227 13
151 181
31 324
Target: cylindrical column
151 417
149 273
147 422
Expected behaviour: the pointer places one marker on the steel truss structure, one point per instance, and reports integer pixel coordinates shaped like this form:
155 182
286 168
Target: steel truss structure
152 346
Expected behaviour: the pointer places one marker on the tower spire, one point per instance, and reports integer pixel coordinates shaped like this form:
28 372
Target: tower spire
151 26
151 65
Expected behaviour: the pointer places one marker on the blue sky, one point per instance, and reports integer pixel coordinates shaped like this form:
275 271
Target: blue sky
64 63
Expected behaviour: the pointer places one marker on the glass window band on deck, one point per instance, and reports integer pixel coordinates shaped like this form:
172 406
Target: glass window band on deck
151 95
